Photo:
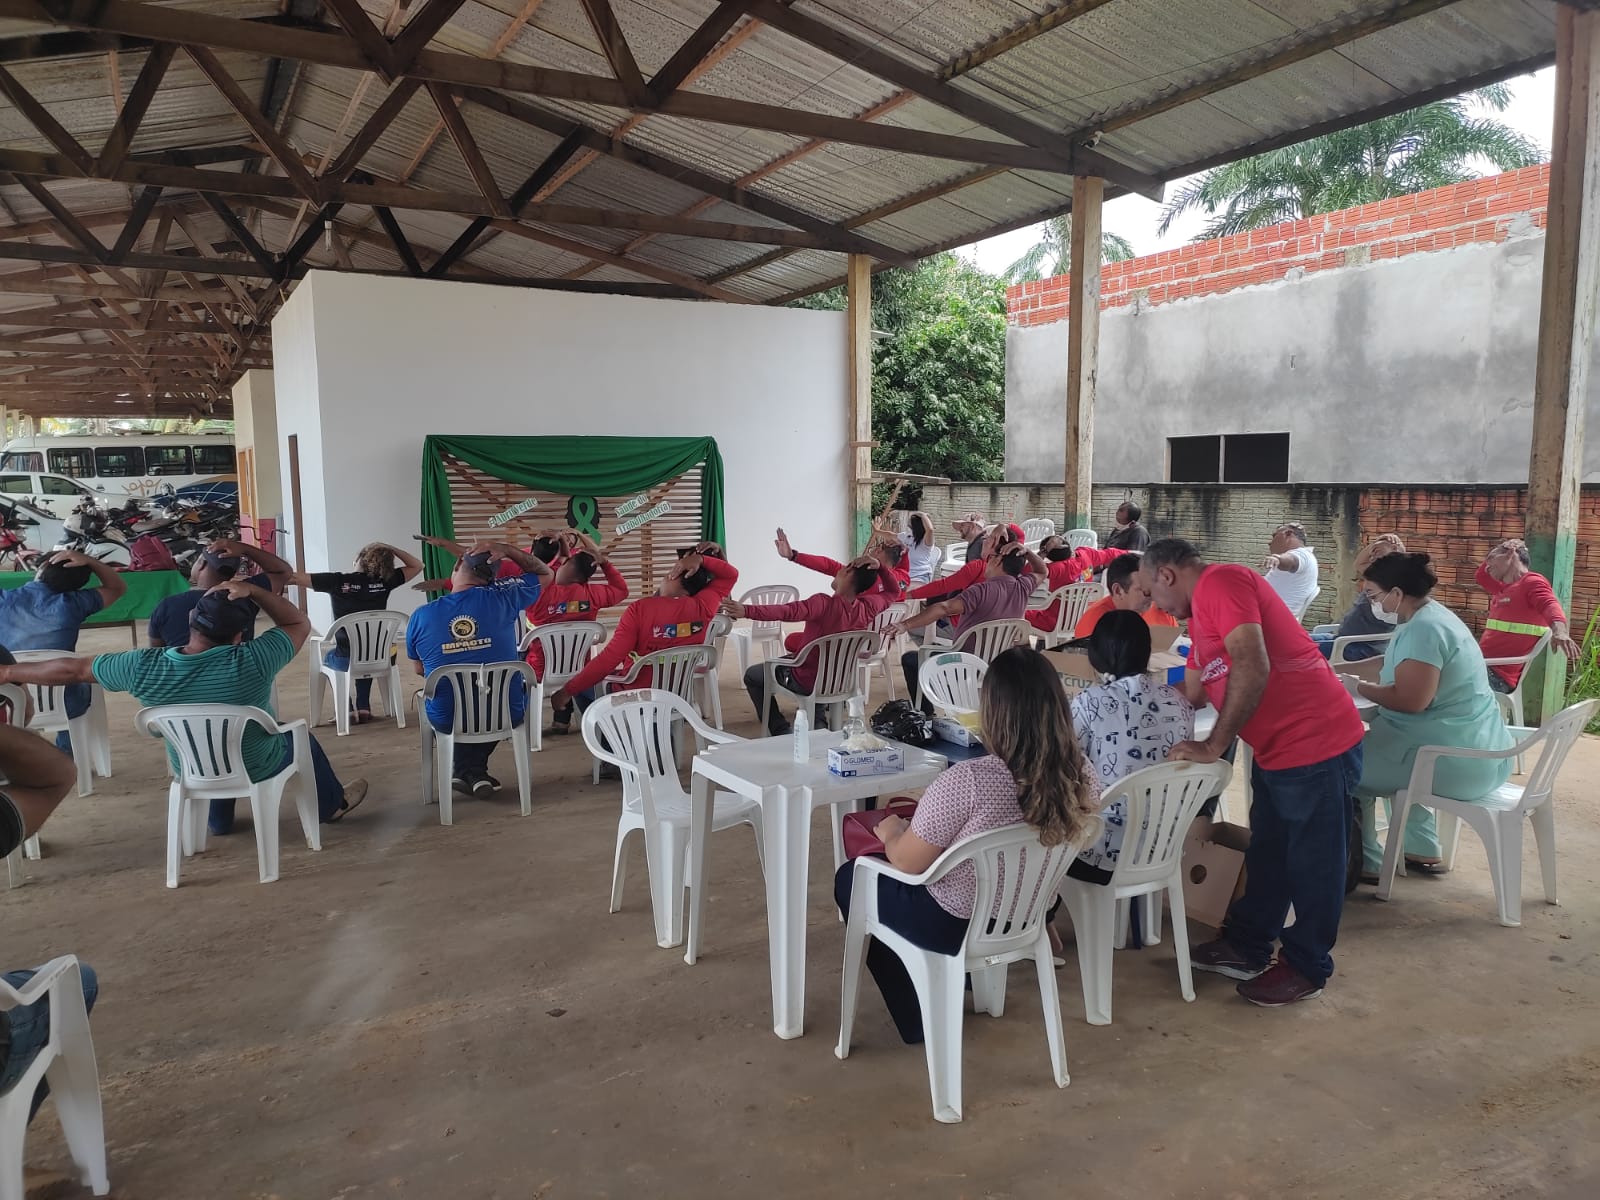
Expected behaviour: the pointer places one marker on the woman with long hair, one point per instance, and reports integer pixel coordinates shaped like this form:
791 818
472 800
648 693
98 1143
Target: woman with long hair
1034 773
917 538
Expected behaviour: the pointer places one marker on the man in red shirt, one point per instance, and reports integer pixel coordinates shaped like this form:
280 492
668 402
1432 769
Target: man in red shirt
677 615
893 556
1124 593
573 597
1522 606
862 588
1271 687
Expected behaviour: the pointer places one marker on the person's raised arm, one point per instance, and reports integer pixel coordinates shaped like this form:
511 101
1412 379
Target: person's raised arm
112 585
526 563
1247 681
37 775
953 607
1415 685
51 672
275 568
608 659
283 612
969 574
455 549
410 564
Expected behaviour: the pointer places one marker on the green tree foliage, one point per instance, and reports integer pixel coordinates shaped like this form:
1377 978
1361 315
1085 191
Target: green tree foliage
1432 146
1052 253
99 425
938 368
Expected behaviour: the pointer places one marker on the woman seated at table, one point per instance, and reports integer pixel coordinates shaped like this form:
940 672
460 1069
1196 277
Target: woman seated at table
1433 691
1123 725
1035 773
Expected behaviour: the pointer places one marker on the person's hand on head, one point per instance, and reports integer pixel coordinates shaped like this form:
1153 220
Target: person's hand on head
870 561
69 558
708 548
233 589
782 543
1012 548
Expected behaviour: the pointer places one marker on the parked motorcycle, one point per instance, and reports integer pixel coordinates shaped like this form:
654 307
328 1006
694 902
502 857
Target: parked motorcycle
89 531
15 553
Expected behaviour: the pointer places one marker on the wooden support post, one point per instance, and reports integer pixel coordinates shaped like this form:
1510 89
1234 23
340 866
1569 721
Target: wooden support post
1083 349
1568 297
858 292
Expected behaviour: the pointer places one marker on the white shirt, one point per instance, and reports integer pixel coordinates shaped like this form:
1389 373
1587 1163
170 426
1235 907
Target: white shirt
921 559
1296 586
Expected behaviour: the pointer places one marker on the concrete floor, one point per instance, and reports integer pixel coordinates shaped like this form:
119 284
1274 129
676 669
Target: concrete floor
428 1012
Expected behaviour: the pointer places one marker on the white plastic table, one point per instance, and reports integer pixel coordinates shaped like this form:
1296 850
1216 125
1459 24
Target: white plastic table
764 770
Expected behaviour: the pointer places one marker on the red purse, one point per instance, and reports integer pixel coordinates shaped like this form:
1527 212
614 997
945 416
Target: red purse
861 828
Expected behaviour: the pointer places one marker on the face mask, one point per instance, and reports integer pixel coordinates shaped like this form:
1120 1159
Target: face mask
1382 614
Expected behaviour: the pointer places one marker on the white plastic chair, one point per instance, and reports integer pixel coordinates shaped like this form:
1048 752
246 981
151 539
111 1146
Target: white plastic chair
887 648
208 740
1510 704
565 647
953 682
952 559
13 701
1081 539
480 711
1036 529
1017 878
633 731
677 669
1075 599
91 740
371 637
1159 805
1496 818
768 635
709 701
837 659
67 1060
1336 656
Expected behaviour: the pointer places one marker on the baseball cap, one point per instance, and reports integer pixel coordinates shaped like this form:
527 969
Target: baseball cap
480 564
221 618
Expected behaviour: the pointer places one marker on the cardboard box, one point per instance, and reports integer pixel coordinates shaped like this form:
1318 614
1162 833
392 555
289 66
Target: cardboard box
1076 673
1163 636
1213 865
853 764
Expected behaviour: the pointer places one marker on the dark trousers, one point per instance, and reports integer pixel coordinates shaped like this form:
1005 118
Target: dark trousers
910 664
471 759
1299 826
30 1030
911 911
330 792
754 683
339 659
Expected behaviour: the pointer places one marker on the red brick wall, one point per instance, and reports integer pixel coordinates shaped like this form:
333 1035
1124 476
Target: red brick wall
1479 210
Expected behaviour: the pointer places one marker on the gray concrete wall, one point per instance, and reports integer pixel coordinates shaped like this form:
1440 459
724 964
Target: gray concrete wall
1415 370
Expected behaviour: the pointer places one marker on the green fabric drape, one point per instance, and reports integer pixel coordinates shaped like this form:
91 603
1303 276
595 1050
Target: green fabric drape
567 466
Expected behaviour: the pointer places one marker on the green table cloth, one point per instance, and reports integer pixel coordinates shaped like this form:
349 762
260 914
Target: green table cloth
146 589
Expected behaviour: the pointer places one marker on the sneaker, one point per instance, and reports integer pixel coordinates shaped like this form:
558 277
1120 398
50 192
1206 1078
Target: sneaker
1219 956
1281 984
354 793
483 786
460 783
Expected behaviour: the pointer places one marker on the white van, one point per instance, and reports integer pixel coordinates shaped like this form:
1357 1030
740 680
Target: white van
113 466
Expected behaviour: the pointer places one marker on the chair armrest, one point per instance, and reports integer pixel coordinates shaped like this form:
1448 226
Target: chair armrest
39 986
1525 661
1428 759
880 866
314 642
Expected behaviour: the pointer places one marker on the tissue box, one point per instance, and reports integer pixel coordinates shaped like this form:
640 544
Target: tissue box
955 732
857 763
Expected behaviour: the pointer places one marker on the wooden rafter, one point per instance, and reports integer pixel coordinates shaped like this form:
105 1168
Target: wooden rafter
143 206
285 155
420 30
615 47
240 231
367 37
39 117
477 166
134 108
397 237
75 229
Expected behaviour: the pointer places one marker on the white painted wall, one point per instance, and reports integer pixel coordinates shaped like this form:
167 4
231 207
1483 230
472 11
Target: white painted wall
255 427
367 367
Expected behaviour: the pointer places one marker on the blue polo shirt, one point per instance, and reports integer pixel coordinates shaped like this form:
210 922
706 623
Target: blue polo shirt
169 622
478 625
32 617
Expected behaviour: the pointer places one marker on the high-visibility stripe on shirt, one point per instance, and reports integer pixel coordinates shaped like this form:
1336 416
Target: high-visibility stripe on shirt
1516 627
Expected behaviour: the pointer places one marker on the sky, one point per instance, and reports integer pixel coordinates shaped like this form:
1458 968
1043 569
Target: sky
1135 218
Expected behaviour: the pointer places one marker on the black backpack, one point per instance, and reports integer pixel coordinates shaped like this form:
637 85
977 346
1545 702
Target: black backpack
900 722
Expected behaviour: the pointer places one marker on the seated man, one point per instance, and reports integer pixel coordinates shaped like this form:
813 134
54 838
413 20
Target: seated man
47 613
548 548
1291 567
215 666
1129 535
1522 606
972 528
573 596
975 570
37 778
890 552
1124 593
1010 574
1364 616
221 561
475 623
1068 566
862 588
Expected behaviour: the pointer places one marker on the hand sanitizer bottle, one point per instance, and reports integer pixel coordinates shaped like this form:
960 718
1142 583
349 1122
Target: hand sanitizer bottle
802 737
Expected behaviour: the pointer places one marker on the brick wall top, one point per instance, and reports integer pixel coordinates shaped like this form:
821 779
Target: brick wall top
1479 210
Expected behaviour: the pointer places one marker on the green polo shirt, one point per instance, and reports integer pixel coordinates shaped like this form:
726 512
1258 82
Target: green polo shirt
240 674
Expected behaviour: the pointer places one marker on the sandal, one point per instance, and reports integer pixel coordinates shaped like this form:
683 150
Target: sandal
1428 866
363 716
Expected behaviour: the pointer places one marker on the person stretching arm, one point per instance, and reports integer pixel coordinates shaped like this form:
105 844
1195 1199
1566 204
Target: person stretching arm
274 568
36 778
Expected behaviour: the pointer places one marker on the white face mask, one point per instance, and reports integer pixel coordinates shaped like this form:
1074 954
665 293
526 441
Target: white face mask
1383 614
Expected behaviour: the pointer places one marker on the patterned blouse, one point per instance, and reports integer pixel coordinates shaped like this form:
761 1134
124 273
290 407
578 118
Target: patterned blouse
1124 726
970 798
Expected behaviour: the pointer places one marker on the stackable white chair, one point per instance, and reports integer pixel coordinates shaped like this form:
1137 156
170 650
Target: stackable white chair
953 682
1159 805
480 696
1017 882
837 658
1510 704
887 649
1035 530
91 740
208 741
709 701
12 705
565 646
1496 818
1336 653
1076 599
680 670
633 731
985 640
952 560
768 635
67 1061
372 638
1080 539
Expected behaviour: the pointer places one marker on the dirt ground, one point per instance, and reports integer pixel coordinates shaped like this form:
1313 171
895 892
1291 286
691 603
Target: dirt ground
428 1012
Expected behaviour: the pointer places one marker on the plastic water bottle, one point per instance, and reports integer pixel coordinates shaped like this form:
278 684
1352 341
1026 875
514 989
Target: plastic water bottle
802 737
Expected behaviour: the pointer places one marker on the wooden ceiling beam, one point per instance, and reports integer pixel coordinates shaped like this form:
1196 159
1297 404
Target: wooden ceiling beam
367 37
615 47
397 237
380 120
40 284
240 231
39 117
134 107
63 217
1017 35
285 155
31 252
138 216
477 166
421 30
684 61
648 270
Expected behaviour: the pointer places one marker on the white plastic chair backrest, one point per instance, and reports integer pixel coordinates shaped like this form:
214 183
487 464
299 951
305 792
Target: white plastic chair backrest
565 647
675 669
50 980
1324 631
1159 805
1534 652
955 552
773 593
1079 539
49 708
893 615
480 694
633 732
208 739
372 635
991 638
835 657
1017 881
1560 734
1036 529
953 682
717 631
1076 599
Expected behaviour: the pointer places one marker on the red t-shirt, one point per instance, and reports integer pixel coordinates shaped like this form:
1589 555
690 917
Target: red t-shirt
1519 613
1079 568
560 602
824 565
1305 715
824 614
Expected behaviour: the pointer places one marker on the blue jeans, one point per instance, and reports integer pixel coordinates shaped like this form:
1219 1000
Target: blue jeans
340 661
1299 823
470 759
75 699
30 1030
330 792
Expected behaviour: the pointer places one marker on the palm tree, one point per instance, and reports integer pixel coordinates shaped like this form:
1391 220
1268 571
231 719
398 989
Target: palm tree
1432 146
1052 253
